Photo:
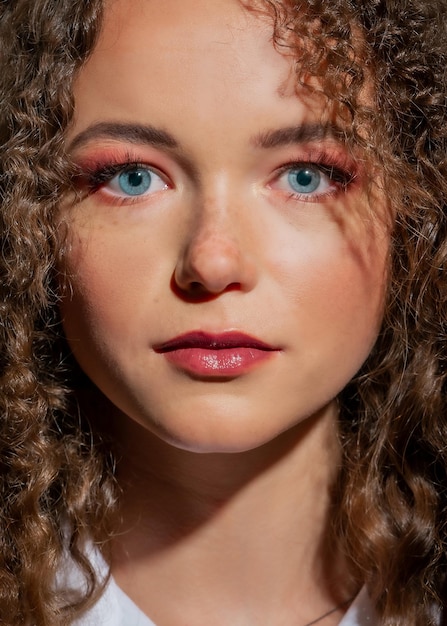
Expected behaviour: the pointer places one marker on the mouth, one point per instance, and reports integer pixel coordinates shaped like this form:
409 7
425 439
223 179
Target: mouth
223 355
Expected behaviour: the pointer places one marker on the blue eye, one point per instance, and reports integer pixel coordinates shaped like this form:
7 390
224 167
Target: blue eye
304 179
311 182
130 181
135 182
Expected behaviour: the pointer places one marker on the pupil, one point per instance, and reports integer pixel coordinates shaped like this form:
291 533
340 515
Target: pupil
304 178
134 179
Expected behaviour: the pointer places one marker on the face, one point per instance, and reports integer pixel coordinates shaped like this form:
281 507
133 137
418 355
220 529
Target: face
226 263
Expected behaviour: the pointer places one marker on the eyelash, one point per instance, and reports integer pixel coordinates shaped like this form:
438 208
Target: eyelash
336 171
97 176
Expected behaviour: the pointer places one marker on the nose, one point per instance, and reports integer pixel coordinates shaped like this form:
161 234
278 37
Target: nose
216 255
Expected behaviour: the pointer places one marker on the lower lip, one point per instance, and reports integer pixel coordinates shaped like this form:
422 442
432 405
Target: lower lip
227 362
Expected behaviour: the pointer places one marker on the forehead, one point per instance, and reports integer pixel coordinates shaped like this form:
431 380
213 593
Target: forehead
173 49
218 20
184 29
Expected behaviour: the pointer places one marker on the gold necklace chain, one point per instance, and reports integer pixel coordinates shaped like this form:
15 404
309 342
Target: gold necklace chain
336 608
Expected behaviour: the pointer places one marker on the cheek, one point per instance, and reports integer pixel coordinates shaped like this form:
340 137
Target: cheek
108 273
100 298
336 285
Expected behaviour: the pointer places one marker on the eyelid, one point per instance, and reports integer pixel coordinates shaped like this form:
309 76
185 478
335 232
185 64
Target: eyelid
98 176
96 170
338 177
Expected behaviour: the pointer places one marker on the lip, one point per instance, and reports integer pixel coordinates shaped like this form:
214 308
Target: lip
209 355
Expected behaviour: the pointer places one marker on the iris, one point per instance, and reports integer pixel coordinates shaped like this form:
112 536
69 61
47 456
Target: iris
135 182
304 179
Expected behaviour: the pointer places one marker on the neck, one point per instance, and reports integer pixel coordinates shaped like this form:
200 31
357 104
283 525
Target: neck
241 534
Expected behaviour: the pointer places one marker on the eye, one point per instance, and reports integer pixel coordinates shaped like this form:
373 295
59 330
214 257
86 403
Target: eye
306 179
135 181
313 181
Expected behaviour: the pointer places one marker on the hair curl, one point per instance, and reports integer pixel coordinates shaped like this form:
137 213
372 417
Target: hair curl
56 480
52 480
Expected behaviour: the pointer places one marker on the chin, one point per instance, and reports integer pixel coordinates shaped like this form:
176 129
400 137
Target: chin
226 434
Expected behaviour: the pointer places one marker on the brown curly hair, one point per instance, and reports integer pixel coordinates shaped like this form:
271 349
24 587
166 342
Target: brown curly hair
57 480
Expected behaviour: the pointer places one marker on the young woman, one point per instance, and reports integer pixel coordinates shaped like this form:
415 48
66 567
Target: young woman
223 312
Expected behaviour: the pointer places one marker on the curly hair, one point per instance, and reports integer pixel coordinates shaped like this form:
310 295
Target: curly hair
56 483
51 475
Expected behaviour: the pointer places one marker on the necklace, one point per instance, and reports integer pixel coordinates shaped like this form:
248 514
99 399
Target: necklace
336 608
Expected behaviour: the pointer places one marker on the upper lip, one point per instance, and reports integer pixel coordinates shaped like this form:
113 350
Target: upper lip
212 341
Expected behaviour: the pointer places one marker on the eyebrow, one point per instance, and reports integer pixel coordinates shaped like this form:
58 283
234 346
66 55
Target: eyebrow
302 133
150 135
146 134
137 134
133 133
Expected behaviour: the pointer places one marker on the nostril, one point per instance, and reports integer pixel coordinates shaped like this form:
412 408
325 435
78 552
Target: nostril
195 291
191 291
195 287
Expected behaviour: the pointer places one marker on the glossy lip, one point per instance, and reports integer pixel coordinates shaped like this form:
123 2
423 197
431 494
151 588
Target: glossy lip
223 355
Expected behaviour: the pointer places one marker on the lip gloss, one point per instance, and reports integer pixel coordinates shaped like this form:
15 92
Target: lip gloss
209 355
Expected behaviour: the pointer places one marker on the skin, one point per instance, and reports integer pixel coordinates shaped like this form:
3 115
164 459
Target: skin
221 244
